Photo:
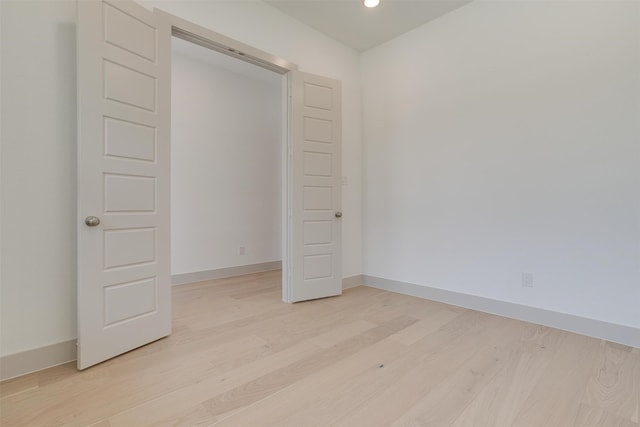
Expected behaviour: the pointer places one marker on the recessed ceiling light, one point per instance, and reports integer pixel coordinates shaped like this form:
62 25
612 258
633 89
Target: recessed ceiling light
371 3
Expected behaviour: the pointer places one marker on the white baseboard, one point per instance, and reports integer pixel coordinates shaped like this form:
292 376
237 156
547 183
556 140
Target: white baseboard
352 281
25 362
22 363
221 273
621 334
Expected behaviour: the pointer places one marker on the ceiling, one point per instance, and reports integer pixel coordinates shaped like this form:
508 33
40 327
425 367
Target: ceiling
362 28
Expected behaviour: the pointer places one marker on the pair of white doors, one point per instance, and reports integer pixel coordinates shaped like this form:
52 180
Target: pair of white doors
124 102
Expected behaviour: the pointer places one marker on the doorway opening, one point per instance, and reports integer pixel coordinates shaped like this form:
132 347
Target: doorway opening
227 133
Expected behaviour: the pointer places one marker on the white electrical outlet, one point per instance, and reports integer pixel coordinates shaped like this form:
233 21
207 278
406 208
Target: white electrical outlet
241 250
527 280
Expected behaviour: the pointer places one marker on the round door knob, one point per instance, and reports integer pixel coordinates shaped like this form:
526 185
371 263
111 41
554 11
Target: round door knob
92 221
338 214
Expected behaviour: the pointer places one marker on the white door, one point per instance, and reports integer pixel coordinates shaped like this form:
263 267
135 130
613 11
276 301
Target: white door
314 188
124 296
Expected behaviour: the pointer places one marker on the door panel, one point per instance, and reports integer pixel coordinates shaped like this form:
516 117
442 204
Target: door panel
123 178
129 140
318 130
129 247
315 187
129 33
130 87
129 193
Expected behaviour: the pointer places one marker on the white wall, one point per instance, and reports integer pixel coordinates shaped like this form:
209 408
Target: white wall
37 283
505 138
38 149
226 148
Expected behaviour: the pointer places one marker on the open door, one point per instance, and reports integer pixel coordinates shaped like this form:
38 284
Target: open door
124 293
124 88
314 188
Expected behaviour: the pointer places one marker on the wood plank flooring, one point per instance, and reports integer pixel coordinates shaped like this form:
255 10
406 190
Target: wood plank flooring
240 357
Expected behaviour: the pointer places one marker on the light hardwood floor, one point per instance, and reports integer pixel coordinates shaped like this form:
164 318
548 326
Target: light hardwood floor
240 357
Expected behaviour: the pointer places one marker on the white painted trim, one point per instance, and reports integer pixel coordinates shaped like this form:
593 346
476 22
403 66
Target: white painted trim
202 36
25 362
205 37
221 273
621 334
352 281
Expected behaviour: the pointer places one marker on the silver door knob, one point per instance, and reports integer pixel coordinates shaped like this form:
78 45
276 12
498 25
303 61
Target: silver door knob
92 221
338 214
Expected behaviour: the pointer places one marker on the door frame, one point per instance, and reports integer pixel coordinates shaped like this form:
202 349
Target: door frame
209 39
